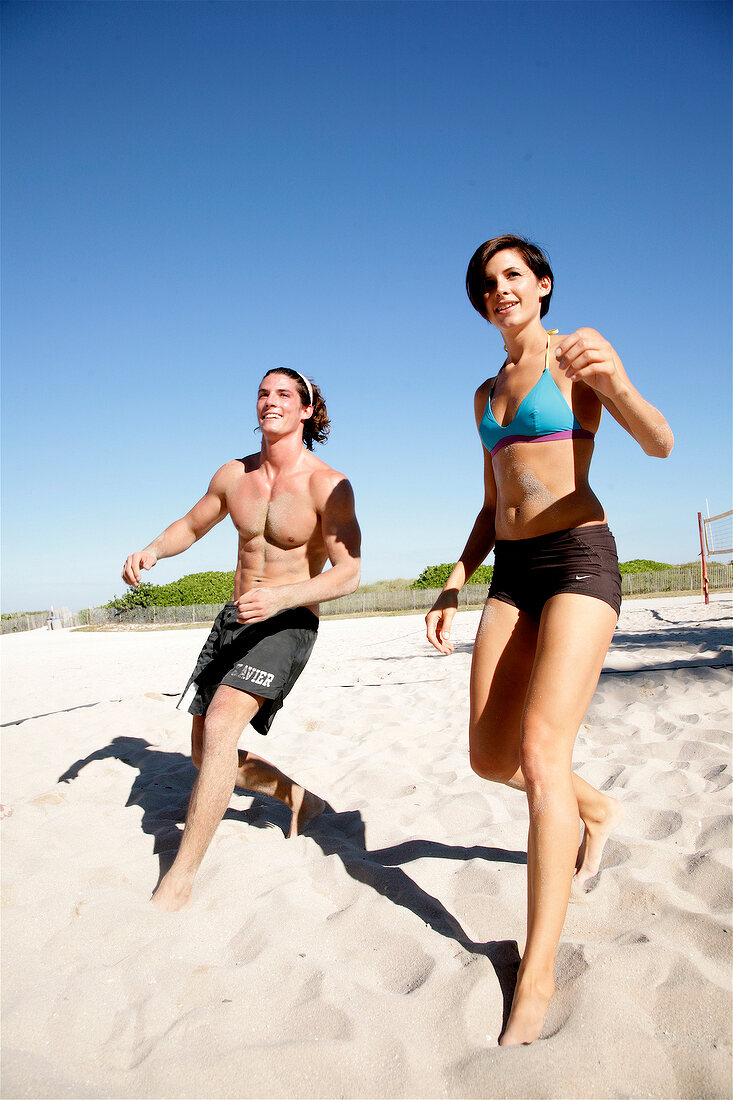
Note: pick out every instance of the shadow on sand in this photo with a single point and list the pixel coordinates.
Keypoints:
(162, 788)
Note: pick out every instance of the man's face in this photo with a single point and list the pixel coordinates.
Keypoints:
(280, 410)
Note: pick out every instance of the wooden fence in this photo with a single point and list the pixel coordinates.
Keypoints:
(685, 579)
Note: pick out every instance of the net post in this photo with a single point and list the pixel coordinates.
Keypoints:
(704, 568)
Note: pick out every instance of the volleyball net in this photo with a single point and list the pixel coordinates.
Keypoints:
(716, 537)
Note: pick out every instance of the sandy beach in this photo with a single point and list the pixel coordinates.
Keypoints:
(374, 956)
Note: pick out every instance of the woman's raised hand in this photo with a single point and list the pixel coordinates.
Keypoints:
(586, 356)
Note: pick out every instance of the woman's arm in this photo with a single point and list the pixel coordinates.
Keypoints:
(587, 357)
(440, 617)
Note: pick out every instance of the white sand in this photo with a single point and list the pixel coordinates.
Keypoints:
(366, 959)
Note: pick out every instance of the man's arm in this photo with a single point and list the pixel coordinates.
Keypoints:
(342, 537)
(205, 514)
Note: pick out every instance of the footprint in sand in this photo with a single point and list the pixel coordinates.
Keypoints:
(614, 779)
(570, 966)
(48, 799)
(716, 834)
(663, 824)
(706, 878)
(614, 855)
(717, 778)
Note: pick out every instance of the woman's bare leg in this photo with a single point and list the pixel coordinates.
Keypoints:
(600, 815)
(503, 659)
(574, 635)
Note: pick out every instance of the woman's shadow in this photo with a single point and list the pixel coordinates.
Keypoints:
(162, 789)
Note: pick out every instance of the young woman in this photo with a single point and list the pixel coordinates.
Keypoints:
(555, 593)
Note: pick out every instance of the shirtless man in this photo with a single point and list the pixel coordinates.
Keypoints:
(291, 512)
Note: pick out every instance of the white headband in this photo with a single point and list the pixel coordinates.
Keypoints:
(307, 385)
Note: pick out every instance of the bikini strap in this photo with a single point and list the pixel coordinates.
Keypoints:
(550, 332)
(501, 368)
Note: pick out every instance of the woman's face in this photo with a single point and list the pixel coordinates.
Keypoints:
(512, 292)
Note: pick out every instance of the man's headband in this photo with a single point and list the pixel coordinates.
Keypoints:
(307, 386)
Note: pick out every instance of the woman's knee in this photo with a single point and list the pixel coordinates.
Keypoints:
(496, 767)
(542, 753)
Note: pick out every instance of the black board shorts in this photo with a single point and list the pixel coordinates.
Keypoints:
(264, 659)
(527, 572)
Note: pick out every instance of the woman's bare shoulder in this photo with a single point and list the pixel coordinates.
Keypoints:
(482, 396)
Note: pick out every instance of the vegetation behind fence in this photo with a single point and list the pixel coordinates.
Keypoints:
(685, 579)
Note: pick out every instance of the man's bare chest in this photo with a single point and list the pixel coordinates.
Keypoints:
(283, 514)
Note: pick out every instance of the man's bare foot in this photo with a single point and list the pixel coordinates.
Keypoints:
(595, 835)
(306, 807)
(173, 893)
(527, 1015)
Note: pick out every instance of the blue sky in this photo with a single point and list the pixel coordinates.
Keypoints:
(196, 192)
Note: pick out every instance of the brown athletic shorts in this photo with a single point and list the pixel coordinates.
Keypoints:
(527, 572)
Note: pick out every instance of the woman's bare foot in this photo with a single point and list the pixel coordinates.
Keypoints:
(528, 1013)
(595, 835)
(173, 893)
(306, 806)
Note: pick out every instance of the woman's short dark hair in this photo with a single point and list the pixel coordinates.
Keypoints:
(533, 256)
(317, 426)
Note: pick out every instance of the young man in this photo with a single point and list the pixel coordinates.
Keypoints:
(292, 513)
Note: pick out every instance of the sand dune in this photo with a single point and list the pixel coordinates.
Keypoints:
(374, 956)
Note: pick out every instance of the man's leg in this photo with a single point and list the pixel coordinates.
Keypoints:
(229, 712)
(222, 767)
(256, 774)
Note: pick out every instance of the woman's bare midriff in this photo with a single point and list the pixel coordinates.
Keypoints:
(543, 487)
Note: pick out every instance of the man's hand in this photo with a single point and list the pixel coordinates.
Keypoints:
(439, 620)
(143, 559)
(586, 356)
(259, 604)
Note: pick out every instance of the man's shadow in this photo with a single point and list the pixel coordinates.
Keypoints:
(162, 789)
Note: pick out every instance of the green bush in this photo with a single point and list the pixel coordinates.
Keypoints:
(435, 576)
(643, 565)
(195, 588)
(142, 596)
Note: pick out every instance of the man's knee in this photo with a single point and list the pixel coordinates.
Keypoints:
(219, 734)
(226, 718)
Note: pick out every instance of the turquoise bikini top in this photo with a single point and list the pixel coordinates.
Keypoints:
(543, 414)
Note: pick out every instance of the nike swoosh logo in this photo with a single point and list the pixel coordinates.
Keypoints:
(584, 577)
